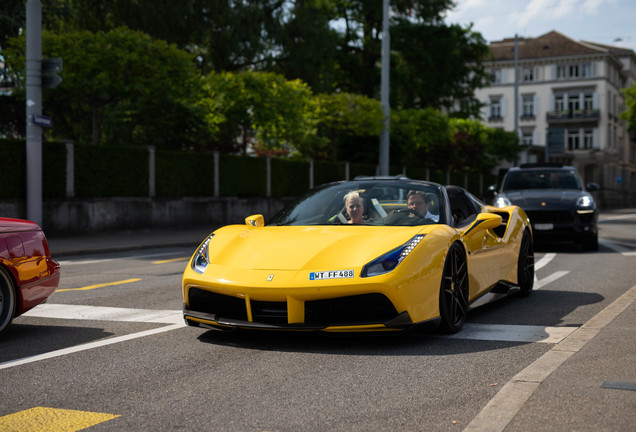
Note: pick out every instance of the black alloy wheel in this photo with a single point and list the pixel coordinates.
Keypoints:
(525, 265)
(453, 296)
(7, 299)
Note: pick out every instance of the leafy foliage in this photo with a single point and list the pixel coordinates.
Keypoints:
(630, 113)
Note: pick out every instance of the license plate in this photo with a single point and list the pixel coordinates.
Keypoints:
(544, 227)
(334, 274)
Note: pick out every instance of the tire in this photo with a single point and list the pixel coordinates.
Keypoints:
(7, 299)
(525, 265)
(453, 295)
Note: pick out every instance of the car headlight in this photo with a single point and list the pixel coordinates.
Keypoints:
(390, 260)
(502, 201)
(585, 204)
(201, 257)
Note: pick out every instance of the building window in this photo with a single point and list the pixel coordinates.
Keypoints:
(528, 74)
(574, 103)
(495, 109)
(588, 102)
(497, 76)
(561, 72)
(527, 109)
(586, 70)
(574, 71)
(559, 103)
(526, 138)
(573, 139)
(588, 139)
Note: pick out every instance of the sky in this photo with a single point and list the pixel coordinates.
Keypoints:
(610, 22)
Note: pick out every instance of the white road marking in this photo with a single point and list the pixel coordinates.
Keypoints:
(617, 217)
(538, 284)
(88, 346)
(502, 408)
(513, 333)
(544, 261)
(102, 313)
(616, 247)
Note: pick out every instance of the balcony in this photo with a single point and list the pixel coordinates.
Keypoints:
(572, 116)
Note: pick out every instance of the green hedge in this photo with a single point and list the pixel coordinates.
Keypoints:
(289, 178)
(183, 174)
(13, 171)
(107, 171)
(242, 176)
(123, 171)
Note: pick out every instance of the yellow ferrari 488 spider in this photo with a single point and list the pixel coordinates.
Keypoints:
(372, 254)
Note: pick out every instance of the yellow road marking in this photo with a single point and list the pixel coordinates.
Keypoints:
(90, 287)
(170, 260)
(40, 419)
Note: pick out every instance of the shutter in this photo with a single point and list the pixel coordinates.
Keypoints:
(535, 137)
(595, 101)
(595, 139)
(503, 107)
(535, 106)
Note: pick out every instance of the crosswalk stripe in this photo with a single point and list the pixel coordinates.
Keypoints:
(103, 313)
(513, 333)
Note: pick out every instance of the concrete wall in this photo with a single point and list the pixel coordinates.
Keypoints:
(94, 215)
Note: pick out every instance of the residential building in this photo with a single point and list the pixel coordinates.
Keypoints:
(568, 102)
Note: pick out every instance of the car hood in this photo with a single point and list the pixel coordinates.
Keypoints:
(304, 247)
(544, 199)
(8, 225)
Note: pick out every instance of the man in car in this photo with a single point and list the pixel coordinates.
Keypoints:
(419, 202)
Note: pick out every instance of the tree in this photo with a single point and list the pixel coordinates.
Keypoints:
(437, 66)
(416, 135)
(629, 114)
(263, 110)
(344, 116)
(123, 86)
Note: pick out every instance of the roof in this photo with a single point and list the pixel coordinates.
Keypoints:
(552, 44)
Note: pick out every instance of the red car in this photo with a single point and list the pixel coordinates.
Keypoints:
(28, 274)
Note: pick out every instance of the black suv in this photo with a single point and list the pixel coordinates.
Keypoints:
(555, 200)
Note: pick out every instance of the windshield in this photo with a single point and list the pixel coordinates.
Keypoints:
(387, 203)
(541, 179)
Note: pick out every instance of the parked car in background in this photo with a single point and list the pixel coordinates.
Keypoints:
(28, 274)
(553, 196)
(372, 254)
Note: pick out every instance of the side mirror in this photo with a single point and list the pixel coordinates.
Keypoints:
(593, 187)
(483, 221)
(255, 220)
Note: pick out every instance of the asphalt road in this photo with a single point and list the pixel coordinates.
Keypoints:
(109, 350)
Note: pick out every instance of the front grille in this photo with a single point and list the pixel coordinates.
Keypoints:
(365, 308)
(269, 312)
(359, 309)
(550, 216)
(221, 305)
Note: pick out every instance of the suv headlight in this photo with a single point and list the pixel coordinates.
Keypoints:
(390, 260)
(201, 257)
(502, 201)
(585, 204)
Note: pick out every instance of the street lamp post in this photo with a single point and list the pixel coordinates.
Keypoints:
(33, 110)
(384, 91)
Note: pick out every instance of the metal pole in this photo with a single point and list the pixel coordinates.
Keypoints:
(384, 91)
(516, 107)
(33, 108)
